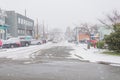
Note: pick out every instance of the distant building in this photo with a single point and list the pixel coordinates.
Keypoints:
(80, 33)
(68, 33)
(19, 25)
(3, 26)
(83, 36)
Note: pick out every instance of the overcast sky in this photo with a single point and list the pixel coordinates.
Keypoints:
(62, 13)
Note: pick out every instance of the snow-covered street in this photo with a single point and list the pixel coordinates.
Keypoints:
(24, 53)
(80, 52)
(55, 61)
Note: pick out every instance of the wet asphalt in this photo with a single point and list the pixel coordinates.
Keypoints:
(55, 64)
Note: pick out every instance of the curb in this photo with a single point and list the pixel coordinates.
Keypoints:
(98, 62)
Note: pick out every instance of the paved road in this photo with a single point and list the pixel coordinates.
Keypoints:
(54, 64)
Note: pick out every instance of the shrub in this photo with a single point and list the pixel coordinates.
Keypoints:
(100, 44)
(91, 44)
(113, 40)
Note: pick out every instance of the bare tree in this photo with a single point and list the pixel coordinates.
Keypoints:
(89, 29)
(111, 19)
(86, 27)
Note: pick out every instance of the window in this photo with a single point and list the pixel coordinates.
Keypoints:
(19, 20)
(18, 31)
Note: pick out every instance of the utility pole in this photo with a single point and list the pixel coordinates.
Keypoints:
(25, 24)
(43, 30)
(37, 29)
(77, 34)
(47, 32)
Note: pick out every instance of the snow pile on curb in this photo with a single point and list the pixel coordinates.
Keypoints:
(93, 54)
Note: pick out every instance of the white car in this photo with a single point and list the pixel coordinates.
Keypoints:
(12, 42)
(36, 42)
(55, 41)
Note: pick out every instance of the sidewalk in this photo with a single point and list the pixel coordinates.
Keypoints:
(93, 55)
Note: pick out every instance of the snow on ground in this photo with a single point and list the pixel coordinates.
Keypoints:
(93, 54)
(22, 52)
(80, 52)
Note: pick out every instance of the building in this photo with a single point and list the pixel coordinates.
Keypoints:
(104, 31)
(85, 33)
(19, 25)
(80, 34)
(83, 36)
(3, 26)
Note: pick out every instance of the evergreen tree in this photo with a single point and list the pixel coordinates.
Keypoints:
(113, 40)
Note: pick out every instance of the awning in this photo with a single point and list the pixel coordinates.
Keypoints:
(3, 27)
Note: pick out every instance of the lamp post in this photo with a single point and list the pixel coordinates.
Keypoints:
(37, 30)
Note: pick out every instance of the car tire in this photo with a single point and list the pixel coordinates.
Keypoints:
(12, 46)
(26, 44)
(38, 43)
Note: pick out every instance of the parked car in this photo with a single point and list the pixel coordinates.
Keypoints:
(44, 41)
(17, 42)
(55, 41)
(36, 42)
(25, 40)
(69, 40)
(11, 43)
(1, 43)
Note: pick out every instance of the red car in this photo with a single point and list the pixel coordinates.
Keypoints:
(1, 43)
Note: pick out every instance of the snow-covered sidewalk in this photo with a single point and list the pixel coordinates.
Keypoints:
(22, 53)
(93, 54)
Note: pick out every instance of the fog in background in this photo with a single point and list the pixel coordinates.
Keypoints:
(62, 13)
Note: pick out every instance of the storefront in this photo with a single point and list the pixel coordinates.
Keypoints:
(3, 32)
